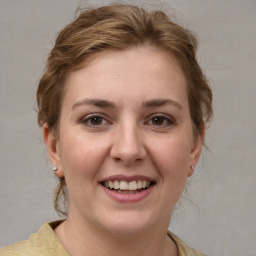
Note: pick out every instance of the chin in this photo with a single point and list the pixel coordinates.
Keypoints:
(130, 223)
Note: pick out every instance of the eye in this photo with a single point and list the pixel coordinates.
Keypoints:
(161, 121)
(94, 120)
(158, 120)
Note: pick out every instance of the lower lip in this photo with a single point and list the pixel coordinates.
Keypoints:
(129, 198)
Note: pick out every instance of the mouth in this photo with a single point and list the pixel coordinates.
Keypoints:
(128, 187)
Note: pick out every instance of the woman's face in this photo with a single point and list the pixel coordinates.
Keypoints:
(125, 142)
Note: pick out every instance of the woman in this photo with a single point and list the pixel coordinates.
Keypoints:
(123, 105)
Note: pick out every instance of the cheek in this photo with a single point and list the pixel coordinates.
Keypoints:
(82, 160)
(172, 157)
(172, 160)
(82, 156)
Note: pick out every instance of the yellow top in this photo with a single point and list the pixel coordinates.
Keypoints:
(46, 243)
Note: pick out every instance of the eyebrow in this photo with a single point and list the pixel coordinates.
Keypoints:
(95, 102)
(108, 104)
(161, 102)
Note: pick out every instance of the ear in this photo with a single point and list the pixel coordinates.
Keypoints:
(196, 150)
(52, 144)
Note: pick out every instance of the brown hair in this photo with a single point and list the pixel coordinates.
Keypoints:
(118, 27)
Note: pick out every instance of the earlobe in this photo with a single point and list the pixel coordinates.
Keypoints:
(196, 150)
(191, 170)
(52, 145)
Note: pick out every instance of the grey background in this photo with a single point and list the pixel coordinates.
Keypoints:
(221, 218)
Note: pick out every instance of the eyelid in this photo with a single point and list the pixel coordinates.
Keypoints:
(86, 118)
(171, 121)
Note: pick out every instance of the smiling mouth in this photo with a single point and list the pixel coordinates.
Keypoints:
(125, 187)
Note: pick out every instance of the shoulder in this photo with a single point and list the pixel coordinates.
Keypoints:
(44, 242)
(18, 249)
(183, 249)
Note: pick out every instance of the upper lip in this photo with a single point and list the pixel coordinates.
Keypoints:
(127, 178)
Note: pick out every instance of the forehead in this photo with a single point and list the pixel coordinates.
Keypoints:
(144, 58)
(136, 72)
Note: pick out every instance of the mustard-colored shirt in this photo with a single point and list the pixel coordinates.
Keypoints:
(46, 243)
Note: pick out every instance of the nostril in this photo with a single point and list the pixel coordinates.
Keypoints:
(128, 144)
(128, 156)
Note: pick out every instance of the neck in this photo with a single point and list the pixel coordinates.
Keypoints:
(83, 240)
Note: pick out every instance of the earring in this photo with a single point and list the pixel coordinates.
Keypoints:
(54, 168)
(192, 166)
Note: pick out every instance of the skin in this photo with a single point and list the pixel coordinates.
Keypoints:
(144, 129)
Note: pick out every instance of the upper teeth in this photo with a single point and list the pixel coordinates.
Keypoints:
(124, 185)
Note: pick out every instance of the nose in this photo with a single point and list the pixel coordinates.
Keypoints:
(128, 146)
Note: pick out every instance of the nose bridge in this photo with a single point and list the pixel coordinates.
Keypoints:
(128, 143)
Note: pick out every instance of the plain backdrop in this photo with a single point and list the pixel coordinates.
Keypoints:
(220, 216)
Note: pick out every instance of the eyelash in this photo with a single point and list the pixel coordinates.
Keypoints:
(165, 121)
(89, 118)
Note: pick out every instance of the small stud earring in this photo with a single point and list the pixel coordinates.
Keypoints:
(54, 168)
(192, 166)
